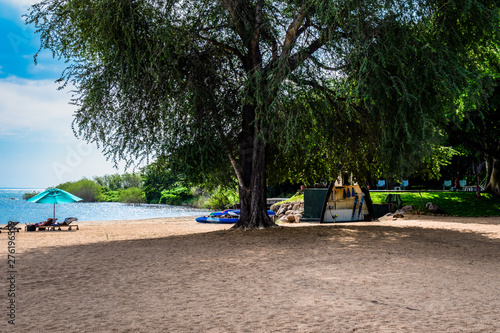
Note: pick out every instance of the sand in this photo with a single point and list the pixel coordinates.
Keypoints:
(417, 274)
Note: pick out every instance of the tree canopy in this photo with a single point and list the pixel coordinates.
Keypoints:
(234, 84)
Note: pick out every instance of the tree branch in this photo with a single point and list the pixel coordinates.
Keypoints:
(258, 19)
(298, 58)
(293, 31)
(319, 64)
(237, 11)
(225, 47)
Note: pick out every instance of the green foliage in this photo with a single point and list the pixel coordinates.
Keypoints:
(452, 203)
(157, 177)
(432, 165)
(296, 198)
(477, 130)
(108, 196)
(322, 140)
(131, 180)
(92, 191)
(417, 70)
(176, 195)
(221, 198)
(132, 195)
(86, 189)
(116, 181)
(28, 195)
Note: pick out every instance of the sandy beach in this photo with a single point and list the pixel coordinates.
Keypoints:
(417, 274)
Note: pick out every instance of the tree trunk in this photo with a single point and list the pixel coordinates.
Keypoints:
(493, 183)
(253, 204)
(252, 187)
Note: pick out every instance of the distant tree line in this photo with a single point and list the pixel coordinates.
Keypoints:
(155, 184)
(125, 188)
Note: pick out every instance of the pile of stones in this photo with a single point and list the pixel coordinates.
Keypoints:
(290, 212)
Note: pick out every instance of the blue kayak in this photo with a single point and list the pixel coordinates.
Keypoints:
(209, 219)
(226, 216)
(236, 212)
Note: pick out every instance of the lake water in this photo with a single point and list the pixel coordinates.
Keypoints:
(14, 208)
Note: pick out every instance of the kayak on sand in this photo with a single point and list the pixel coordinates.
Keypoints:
(209, 219)
(226, 216)
(236, 212)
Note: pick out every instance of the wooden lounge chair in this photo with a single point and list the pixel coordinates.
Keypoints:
(40, 225)
(67, 223)
(10, 226)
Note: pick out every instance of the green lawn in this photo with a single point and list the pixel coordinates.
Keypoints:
(453, 203)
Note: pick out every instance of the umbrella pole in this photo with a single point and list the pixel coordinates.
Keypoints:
(54, 211)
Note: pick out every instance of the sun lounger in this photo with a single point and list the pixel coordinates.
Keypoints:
(40, 225)
(10, 226)
(67, 223)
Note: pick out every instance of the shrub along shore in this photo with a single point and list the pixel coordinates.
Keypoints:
(128, 188)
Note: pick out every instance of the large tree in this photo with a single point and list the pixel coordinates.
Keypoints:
(203, 83)
(478, 130)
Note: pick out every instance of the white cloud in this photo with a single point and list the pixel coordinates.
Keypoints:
(21, 5)
(46, 65)
(34, 107)
(15, 9)
(37, 140)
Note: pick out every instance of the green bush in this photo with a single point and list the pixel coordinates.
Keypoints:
(28, 195)
(175, 196)
(132, 195)
(108, 196)
(221, 198)
(86, 189)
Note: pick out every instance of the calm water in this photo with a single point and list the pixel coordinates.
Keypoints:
(14, 208)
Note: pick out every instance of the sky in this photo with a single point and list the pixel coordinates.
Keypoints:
(37, 146)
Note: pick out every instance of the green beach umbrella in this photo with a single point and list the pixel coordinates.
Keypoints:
(54, 196)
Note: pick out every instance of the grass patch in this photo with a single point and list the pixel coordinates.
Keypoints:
(296, 197)
(465, 204)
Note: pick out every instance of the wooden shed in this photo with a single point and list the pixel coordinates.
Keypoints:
(335, 204)
(345, 203)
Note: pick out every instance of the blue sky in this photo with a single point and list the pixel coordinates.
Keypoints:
(37, 145)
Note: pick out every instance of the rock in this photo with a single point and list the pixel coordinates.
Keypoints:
(288, 212)
(401, 212)
(297, 218)
(282, 210)
(296, 206)
(433, 208)
(283, 219)
(291, 218)
(275, 208)
(406, 209)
